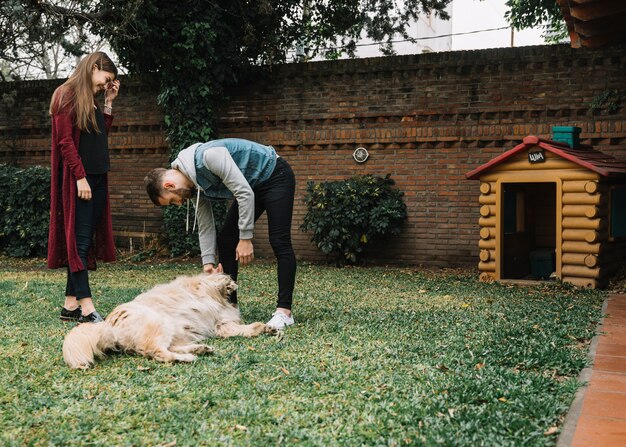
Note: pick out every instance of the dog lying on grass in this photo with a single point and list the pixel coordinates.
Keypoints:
(165, 323)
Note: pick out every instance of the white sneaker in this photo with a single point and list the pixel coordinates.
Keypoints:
(280, 321)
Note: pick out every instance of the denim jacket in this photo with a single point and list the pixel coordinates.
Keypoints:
(223, 169)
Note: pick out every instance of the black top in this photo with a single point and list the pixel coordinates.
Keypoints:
(93, 148)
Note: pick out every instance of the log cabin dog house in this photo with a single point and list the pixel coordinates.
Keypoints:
(552, 208)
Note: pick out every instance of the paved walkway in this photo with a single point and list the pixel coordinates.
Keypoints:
(597, 417)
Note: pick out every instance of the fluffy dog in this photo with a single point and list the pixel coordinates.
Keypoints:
(165, 323)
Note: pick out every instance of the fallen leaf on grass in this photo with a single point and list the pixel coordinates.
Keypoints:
(502, 399)
(143, 368)
(241, 427)
(551, 431)
(285, 370)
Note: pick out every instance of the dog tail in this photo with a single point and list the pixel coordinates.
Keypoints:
(85, 342)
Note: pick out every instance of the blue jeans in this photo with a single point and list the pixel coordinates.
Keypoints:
(275, 197)
(88, 215)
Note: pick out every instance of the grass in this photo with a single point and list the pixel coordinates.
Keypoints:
(378, 356)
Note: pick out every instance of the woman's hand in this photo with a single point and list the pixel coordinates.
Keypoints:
(245, 251)
(113, 88)
(84, 190)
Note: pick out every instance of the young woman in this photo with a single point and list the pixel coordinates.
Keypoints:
(79, 197)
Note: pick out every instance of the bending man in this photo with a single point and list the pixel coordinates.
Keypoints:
(259, 180)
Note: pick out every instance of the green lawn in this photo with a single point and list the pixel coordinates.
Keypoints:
(378, 356)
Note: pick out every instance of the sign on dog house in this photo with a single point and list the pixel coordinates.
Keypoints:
(552, 209)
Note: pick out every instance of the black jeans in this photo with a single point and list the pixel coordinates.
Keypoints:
(88, 215)
(274, 196)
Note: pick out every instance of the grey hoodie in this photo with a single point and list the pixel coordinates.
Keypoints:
(219, 162)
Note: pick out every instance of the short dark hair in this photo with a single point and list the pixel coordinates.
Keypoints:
(154, 184)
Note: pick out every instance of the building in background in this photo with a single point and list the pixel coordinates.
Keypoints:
(473, 24)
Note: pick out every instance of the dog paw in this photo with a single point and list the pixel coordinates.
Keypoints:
(185, 358)
(269, 330)
(205, 349)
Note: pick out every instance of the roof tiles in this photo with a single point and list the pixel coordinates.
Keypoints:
(583, 155)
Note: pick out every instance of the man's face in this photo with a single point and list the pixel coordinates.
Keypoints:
(174, 196)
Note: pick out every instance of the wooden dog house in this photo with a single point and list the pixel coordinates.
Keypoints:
(552, 209)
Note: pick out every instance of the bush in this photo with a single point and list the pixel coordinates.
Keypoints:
(346, 215)
(24, 210)
(180, 241)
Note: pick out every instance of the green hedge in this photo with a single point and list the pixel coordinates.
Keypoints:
(180, 241)
(346, 215)
(24, 210)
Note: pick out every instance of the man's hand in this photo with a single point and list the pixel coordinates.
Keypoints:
(245, 251)
(210, 268)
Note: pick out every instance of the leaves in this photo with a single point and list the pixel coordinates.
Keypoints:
(345, 216)
(24, 210)
(531, 13)
(551, 431)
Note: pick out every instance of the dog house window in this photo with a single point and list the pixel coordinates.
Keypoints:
(618, 212)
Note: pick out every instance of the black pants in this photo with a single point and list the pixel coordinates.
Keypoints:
(274, 196)
(88, 215)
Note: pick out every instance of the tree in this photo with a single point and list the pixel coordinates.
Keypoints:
(42, 38)
(531, 13)
(524, 14)
(45, 33)
(264, 29)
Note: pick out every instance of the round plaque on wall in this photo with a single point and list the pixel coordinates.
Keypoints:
(360, 154)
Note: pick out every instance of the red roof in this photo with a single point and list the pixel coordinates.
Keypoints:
(584, 156)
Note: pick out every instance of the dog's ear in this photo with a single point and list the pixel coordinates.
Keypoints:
(227, 285)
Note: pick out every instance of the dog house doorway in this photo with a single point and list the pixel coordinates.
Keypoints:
(529, 230)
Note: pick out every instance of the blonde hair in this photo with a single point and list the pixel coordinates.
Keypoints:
(77, 92)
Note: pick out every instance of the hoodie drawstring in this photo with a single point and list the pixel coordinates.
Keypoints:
(195, 214)
(187, 224)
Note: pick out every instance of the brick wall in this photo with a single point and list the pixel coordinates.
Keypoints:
(425, 119)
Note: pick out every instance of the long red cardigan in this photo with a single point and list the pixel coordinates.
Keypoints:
(62, 249)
